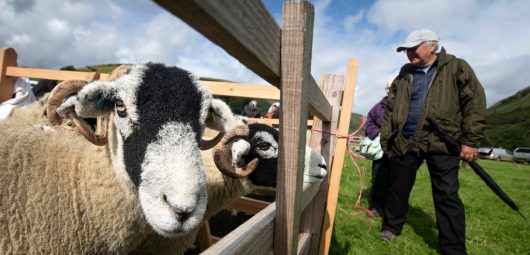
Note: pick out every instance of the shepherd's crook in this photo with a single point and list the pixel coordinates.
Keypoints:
(454, 147)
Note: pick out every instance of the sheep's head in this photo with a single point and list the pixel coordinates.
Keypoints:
(157, 115)
(253, 152)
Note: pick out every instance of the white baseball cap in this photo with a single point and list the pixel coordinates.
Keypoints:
(416, 37)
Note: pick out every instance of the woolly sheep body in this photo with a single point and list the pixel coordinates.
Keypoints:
(67, 199)
(74, 204)
(60, 195)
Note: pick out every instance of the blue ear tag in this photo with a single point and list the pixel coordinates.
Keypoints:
(101, 102)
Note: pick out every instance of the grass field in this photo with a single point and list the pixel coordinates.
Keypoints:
(491, 226)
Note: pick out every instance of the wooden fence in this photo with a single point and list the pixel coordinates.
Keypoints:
(301, 219)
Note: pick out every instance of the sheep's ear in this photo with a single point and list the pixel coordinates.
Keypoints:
(92, 100)
(221, 118)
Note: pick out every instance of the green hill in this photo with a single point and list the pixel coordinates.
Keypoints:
(355, 120)
(508, 122)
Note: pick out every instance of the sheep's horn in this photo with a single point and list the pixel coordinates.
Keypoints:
(222, 156)
(118, 71)
(99, 137)
(96, 138)
(70, 87)
(208, 144)
(57, 95)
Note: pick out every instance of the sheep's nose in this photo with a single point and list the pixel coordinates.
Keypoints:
(182, 212)
(322, 165)
(183, 216)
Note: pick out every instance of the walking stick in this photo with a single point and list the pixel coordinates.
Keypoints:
(454, 147)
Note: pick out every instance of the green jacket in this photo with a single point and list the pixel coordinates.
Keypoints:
(455, 100)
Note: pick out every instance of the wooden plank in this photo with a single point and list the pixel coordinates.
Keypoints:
(8, 57)
(312, 218)
(303, 243)
(204, 237)
(297, 37)
(272, 122)
(248, 205)
(232, 89)
(59, 75)
(216, 239)
(244, 29)
(255, 236)
(318, 104)
(338, 160)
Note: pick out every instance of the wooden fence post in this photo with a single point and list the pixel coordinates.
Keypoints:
(312, 219)
(338, 160)
(297, 37)
(8, 57)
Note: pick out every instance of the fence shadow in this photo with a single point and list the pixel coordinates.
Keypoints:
(423, 225)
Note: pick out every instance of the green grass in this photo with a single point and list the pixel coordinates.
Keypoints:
(491, 226)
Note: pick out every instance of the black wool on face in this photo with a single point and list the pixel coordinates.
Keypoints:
(167, 94)
(266, 172)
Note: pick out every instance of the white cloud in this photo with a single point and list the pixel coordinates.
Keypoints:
(351, 21)
(491, 35)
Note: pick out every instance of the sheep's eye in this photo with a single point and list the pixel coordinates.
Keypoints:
(264, 146)
(120, 108)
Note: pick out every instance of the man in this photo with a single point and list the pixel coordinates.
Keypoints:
(446, 89)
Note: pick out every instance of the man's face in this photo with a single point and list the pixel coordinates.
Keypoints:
(422, 54)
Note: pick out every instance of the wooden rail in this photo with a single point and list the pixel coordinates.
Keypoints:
(247, 31)
(51, 74)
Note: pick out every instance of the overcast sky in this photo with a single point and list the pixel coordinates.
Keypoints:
(492, 35)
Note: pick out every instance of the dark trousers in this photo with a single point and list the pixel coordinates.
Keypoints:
(450, 217)
(380, 184)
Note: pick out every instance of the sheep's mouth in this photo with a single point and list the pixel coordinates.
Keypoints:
(167, 221)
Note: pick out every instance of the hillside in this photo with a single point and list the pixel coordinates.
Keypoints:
(508, 122)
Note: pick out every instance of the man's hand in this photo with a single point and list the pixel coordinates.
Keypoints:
(468, 153)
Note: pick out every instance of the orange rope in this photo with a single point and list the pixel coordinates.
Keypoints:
(352, 156)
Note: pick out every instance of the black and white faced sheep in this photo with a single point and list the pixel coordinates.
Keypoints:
(59, 193)
(254, 153)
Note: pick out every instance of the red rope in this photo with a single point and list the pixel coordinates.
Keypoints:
(353, 155)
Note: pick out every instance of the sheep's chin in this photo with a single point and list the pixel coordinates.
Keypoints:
(163, 218)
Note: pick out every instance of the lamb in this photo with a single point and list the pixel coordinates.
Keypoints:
(60, 194)
(244, 160)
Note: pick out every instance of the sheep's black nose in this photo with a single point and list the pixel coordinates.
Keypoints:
(323, 166)
(183, 216)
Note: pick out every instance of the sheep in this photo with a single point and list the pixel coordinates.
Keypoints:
(244, 160)
(60, 194)
(110, 221)
(99, 211)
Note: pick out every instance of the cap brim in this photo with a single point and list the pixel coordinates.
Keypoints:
(407, 45)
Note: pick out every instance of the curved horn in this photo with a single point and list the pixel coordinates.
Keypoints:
(222, 156)
(208, 144)
(96, 138)
(117, 72)
(70, 87)
(57, 95)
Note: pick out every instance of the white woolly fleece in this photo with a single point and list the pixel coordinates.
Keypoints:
(173, 190)
(127, 88)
